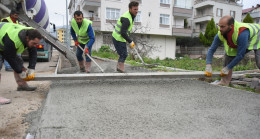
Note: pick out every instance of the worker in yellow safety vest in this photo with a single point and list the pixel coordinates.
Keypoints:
(121, 34)
(14, 39)
(238, 39)
(12, 18)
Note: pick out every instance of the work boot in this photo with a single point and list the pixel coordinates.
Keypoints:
(81, 66)
(88, 67)
(120, 67)
(26, 88)
(4, 101)
(225, 81)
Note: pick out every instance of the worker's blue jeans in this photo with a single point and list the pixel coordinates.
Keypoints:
(79, 53)
(121, 50)
(7, 65)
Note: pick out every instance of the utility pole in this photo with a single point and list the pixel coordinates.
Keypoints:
(67, 27)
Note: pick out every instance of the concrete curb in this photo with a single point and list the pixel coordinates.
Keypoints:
(94, 76)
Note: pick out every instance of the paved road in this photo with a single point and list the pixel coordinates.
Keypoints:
(154, 108)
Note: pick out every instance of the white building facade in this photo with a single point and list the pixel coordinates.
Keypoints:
(204, 10)
(159, 21)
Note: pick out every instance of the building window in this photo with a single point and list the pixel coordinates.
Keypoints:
(165, 1)
(138, 17)
(112, 14)
(233, 14)
(219, 12)
(164, 19)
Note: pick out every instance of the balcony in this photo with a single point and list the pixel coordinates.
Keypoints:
(181, 31)
(203, 17)
(96, 23)
(199, 3)
(95, 3)
(182, 12)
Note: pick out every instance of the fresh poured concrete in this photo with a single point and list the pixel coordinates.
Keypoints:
(148, 108)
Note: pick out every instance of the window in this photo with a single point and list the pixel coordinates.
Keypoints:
(233, 13)
(138, 17)
(164, 19)
(165, 1)
(219, 12)
(112, 14)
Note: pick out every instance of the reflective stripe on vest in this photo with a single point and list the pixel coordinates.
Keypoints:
(81, 32)
(117, 31)
(253, 42)
(13, 32)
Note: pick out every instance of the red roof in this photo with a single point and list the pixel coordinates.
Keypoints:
(247, 10)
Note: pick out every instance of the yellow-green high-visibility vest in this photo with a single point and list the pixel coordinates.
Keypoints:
(12, 30)
(253, 43)
(117, 31)
(10, 20)
(83, 37)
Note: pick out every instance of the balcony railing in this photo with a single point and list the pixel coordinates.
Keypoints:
(203, 15)
(233, 2)
(182, 12)
(181, 31)
(92, 0)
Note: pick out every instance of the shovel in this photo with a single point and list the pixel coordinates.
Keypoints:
(144, 64)
(91, 59)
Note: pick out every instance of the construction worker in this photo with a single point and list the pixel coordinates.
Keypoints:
(14, 39)
(12, 18)
(121, 34)
(238, 39)
(85, 38)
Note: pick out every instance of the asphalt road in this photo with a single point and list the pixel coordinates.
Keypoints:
(154, 108)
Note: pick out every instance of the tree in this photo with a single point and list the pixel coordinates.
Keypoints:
(248, 19)
(210, 33)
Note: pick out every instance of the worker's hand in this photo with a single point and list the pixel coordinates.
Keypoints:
(86, 50)
(208, 70)
(132, 44)
(76, 43)
(224, 72)
(30, 74)
(23, 75)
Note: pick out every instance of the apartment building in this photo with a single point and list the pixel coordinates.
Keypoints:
(204, 10)
(61, 33)
(158, 21)
(254, 13)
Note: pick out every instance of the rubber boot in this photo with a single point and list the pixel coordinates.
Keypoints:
(22, 85)
(120, 67)
(81, 66)
(88, 67)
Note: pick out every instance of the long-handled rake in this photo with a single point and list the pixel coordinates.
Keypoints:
(144, 64)
(91, 59)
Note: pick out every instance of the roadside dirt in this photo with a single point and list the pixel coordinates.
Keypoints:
(12, 116)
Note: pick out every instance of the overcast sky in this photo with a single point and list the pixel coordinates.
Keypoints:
(59, 6)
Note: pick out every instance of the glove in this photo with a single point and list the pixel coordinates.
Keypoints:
(132, 44)
(22, 75)
(208, 70)
(30, 74)
(76, 43)
(224, 72)
(86, 51)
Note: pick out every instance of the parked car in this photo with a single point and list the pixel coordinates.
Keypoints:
(44, 51)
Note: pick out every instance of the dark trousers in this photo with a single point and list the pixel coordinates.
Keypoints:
(121, 50)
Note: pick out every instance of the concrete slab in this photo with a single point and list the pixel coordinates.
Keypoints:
(94, 76)
(148, 108)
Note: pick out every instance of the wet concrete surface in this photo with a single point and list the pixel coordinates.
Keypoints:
(148, 108)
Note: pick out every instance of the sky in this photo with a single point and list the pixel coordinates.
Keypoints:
(59, 6)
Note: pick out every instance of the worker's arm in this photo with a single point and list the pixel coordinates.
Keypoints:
(32, 57)
(10, 55)
(242, 46)
(73, 34)
(215, 44)
(91, 36)
(124, 29)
